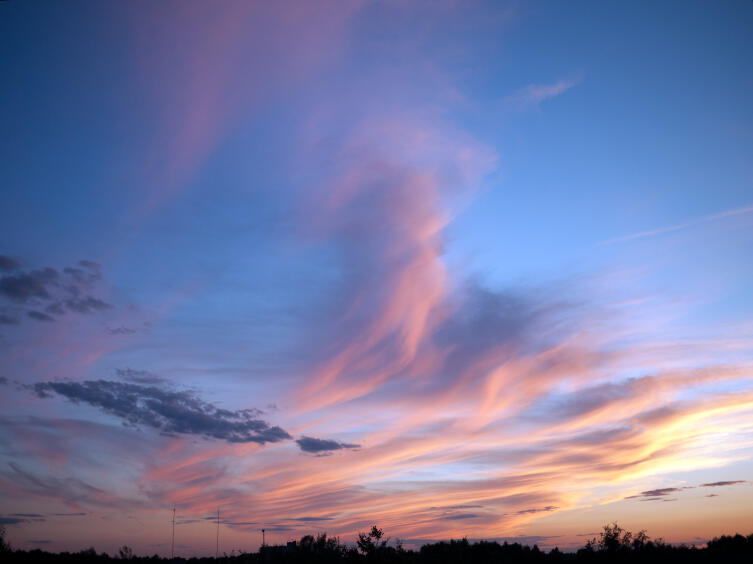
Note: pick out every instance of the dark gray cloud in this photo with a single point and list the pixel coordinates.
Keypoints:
(17, 518)
(81, 514)
(24, 286)
(48, 292)
(38, 542)
(3, 381)
(83, 276)
(122, 330)
(170, 411)
(655, 494)
(39, 316)
(56, 308)
(91, 265)
(11, 521)
(460, 516)
(6, 319)
(312, 519)
(546, 509)
(659, 494)
(87, 304)
(8, 264)
(316, 446)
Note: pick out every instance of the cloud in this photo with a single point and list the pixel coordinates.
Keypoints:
(91, 265)
(39, 316)
(721, 484)
(11, 521)
(39, 542)
(48, 292)
(535, 94)
(121, 330)
(8, 264)
(313, 445)
(661, 493)
(18, 518)
(6, 319)
(312, 519)
(179, 412)
(24, 286)
(655, 494)
(139, 376)
(546, 509)
(87, 304)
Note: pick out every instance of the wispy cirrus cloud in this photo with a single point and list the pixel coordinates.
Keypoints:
(534, 94)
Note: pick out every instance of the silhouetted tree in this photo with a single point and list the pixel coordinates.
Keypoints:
(4, 545)
(371, 542)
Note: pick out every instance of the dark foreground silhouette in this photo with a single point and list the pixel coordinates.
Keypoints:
(614, 544)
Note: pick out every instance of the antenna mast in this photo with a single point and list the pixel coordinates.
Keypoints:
(262, 538)
(217, 551)
(172, 546)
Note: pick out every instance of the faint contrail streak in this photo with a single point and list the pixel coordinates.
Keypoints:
(676, 227)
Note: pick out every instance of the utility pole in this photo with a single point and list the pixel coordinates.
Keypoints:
(217, 551)
(262, 538)
(172, 546)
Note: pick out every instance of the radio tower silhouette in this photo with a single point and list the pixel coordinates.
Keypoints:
(172, 545)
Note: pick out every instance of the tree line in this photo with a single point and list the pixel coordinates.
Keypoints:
(614, 544)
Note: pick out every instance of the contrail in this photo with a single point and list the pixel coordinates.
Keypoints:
(676, 227)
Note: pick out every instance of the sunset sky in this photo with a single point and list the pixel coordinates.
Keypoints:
(453, 268)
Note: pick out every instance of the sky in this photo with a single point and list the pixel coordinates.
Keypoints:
(452, 268)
